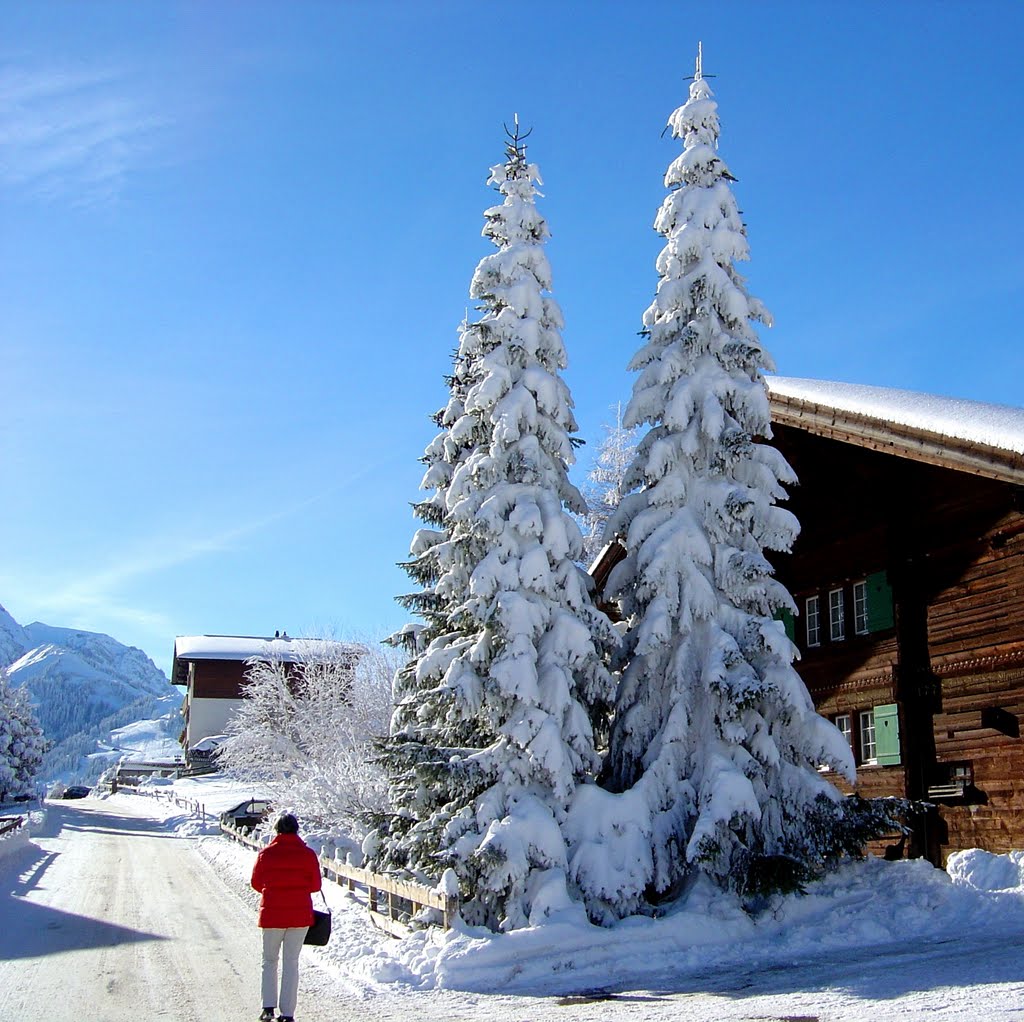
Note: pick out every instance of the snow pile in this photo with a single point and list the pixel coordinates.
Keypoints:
(867, 904)
(13, 840)
(984, 871)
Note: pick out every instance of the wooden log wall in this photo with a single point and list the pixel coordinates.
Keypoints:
(968, 569)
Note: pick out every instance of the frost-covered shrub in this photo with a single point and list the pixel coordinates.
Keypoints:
(305, 733)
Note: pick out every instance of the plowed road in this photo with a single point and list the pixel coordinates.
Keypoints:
(106, 917)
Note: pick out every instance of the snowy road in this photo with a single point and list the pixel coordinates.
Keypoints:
(108, 917)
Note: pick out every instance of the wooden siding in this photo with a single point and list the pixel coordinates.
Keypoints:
(980, 725)
(978, 615)
(952, 546)
(217, 679)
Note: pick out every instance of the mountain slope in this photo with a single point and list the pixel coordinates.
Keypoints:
(104, 655)
(14, 640)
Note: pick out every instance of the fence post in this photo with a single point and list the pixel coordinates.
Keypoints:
(451, 907)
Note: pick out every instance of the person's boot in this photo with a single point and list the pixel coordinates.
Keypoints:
(267, 1015)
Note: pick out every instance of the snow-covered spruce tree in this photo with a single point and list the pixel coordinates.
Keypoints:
(604, 485)
(494, 724)
(715, 747)
(22, 744)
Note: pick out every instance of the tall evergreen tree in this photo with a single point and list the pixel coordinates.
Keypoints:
(495, 718)
(715, 746)
(22, 744)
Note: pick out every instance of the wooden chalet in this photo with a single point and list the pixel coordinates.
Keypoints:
(909, 578)
(212, 669)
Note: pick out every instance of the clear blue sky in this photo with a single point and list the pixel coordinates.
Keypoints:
(236, 241)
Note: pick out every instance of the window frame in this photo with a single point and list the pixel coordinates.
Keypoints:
(866, 737)
(860, 608)
(847, 731)
(837, 615)
(812, 619)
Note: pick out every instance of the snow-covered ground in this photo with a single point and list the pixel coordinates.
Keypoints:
(878, 940)
(144, 740)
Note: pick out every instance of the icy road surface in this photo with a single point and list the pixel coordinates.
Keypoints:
(106, 916)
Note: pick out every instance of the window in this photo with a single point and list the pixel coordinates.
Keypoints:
(813, 621)
(844, 722)
(868, 750)
(836, 615)
(860, 608)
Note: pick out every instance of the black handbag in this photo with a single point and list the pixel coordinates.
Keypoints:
(320, 932)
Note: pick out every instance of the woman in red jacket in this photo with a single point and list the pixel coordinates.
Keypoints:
(286, 873)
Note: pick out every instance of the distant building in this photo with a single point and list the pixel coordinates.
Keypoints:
(212, 668)
(908, 575)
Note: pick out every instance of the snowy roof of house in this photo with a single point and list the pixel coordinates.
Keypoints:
(969, 436)
(246, 647)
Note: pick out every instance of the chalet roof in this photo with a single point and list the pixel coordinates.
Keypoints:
(969, 436)
(246, 647)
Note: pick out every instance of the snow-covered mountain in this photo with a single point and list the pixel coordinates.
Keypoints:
(84, 686)
(14, 639)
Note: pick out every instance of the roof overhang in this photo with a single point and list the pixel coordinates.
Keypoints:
(879, 433)
(242, 648)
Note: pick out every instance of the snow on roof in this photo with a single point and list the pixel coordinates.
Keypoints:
(245, 647)
(999, 426)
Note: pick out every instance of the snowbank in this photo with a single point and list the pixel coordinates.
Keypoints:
(984, 871)
(13, 840)
(866, 904)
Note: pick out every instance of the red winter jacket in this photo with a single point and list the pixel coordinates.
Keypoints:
(286, 873)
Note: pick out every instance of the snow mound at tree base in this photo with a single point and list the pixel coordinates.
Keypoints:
(862, 905)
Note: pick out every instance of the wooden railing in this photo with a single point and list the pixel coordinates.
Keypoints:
(9, 823)
(392, 902)
(194, 807)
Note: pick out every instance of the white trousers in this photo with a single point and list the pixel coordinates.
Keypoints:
(273, 941)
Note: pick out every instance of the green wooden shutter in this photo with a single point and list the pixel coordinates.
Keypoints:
(887, 735)
(879, 597)
(788, 622)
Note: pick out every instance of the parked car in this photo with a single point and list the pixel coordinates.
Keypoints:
(246, 815)
(76, 791)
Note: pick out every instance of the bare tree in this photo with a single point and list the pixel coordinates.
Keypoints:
(305, 731)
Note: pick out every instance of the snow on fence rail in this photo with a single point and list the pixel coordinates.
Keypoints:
(392, 902)
(10, 823)
(194, 808)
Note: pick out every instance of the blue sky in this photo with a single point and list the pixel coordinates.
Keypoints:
(237, 240)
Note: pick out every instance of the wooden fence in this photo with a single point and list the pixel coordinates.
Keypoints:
(9, 823)
(392, 902)
(194, 808)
